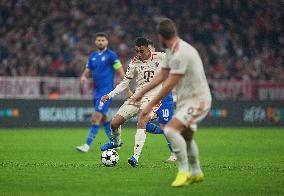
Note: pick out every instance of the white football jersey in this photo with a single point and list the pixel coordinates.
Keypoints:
(145, 71)
(184, 59)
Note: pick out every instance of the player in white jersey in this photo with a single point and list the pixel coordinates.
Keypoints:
(184, 70)
(144, 67)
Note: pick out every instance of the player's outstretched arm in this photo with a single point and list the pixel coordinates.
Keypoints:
(121, 74)
(118, 89)
(158, 79)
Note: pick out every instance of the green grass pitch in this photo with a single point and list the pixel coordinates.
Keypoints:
(236, 161)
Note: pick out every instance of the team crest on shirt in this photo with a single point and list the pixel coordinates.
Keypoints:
(103, 58)
(157, 64)
(93, 59)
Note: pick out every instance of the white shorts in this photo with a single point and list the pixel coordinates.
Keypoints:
(192, 111)
(128, 110)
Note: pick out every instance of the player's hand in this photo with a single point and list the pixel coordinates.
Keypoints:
(104, 98)
(134, 101)
(83, 79)
(136, 97)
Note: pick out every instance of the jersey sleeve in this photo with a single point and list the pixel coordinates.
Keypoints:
(179, 64)
(116, 64)
(89, 64)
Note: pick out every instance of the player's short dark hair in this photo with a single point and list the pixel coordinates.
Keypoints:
(167, 28)
(141, 41)
(150, 42)
(101, 34)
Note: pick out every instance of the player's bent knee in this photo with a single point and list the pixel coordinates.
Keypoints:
(168, 130)
(141, 124)
(115, 123)
(96, 118)
(95, 121)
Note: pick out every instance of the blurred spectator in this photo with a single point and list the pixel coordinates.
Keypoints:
(237, 39)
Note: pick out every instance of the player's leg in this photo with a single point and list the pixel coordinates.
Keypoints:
(172, 158)
(153, 128)
(140, 135)
(140, 138)
(106, 123)
(105, 120)
(193, 156)
(93, 131)
(96, 119)
(115, 141)
(196, 112)
(165, 114)
(173, 132)
(116, 123)
(189, 113)
(192, 150)
(124, 113)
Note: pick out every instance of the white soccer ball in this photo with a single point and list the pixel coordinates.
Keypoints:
(110, 158)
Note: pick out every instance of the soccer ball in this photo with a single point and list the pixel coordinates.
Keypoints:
(110, 157)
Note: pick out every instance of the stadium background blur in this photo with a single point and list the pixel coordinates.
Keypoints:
(236, 39)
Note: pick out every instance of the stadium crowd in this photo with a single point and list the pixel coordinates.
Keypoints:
(236, 39)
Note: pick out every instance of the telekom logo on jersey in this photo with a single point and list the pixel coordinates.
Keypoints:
(148, 75)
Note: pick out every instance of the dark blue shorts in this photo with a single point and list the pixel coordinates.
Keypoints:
(165, 112)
